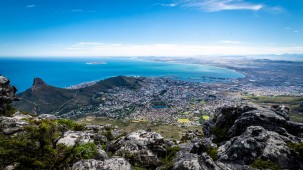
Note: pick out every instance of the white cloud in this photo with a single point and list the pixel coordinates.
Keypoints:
(30, 6)
(168, 5)
(77, 10)
(220, 5)
(229, 42)
(103, 49)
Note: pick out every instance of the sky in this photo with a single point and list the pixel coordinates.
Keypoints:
(150, 27)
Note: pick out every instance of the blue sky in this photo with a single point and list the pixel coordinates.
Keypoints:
(150, 27)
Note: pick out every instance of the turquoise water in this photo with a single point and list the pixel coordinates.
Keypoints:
(66, 72)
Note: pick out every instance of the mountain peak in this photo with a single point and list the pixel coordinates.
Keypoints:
(38, 83)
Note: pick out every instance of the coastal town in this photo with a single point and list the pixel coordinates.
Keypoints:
(165, 100)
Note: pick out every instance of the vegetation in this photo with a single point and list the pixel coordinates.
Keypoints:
(298, 147)
(213, 153)
(261, 164)
(171, 152)
(167, 131)
(38, 148)
(221, 134)
(71, 124)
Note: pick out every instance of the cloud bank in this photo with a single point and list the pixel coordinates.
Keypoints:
(227, 48)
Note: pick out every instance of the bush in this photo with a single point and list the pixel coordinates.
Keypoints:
(84, 151)
(213, 153)
(298, 147)
(171, 152)
(261, 164)
(221, 134)
(37, 148)
(71, 124)
(108, 135)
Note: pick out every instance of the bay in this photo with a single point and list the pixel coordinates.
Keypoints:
(64, 72)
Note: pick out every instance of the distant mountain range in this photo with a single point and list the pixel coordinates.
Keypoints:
(42, 98)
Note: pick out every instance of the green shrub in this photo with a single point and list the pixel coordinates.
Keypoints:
(84, 151)
(37, 148)
(71, 124)
(171, 152)
(261, 164)
(108, 135)
(221, 134)
(167, 161)
(213, 153)
(298, 147)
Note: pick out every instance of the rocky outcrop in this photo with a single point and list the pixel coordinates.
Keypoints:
(37, 84)
(258, 143)
(245, 134)
(186, 161)
(233, 121)
(14, 124)
(114, 163)
(47, 116)
(7, 94)
(281, 111)
(140, 148)
(225, 118)
(190, 161)
(70, 138)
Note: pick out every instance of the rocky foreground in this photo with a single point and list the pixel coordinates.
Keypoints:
(239, 137)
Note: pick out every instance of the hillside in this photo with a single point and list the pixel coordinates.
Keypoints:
(238, 137)
(43, 98)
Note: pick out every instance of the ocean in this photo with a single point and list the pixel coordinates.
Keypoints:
(66, 72)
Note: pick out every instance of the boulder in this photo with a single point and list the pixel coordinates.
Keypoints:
(202, 146)
(7, 94)
(258, 143)
(12, 125)
(186, 161)
(48, 116)
(224, 118)
(101, 154)
(71, 137)
(115, 163)
(141, 148)
(265, 118)
(281, 111)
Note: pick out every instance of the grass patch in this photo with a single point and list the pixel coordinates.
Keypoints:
(261, 164)
(167, 131)
(205, 117)
(183, 120)
(275, 99)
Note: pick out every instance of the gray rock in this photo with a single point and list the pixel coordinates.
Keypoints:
(72, 137)
(258, 143)
(206, 162)
(186, 161)
(12, 125)
(281, 111)
(101, 155)
(225, 118)
(115, 163)
(140, 148)
(48, 116)
(265, 118)
(7, 94)
(202, 145)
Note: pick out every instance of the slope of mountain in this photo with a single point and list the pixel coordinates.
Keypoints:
(43, 98)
